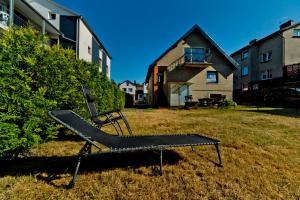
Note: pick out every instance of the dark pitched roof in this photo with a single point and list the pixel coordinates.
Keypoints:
(127, 82)
(265, 38)
(196, 27)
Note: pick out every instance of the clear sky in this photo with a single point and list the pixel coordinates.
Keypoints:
(136, 32)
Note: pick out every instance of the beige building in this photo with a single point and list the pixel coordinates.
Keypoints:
(273, 61)
(194, 65)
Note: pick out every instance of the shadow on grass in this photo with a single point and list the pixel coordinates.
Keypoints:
(287, 112)
(92, 163)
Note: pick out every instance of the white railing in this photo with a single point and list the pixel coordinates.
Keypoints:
(4, 18)
(188, 60)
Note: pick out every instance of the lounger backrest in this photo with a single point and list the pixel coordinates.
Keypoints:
(84, 129)
(90, 99)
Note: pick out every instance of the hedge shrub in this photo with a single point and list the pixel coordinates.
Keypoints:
(36, 78)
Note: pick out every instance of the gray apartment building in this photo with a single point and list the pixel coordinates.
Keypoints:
(62, 25)
(268, 63)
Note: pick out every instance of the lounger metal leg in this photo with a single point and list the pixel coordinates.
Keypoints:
(192, 148)
(161, 159)
(85, 150)
(126, 123)
(120, 128)
(113, 123)
(72, 182)
(219, 155)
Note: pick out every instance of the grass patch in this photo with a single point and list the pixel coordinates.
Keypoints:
(260, 149)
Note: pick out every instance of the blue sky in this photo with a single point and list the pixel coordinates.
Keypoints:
(136, 32)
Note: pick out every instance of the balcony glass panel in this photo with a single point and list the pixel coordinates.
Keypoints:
(194, 55)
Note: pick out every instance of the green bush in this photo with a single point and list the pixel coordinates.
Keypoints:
(36, 78)
(229, 103)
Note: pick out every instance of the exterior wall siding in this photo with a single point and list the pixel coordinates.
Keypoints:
(273, 44)
(291, 47)
(85, 42)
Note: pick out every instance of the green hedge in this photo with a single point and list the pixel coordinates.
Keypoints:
(36, 78)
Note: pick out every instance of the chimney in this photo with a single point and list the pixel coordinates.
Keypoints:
(286, 24)
(253, 41)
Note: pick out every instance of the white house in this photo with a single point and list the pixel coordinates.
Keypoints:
(76, 33)
(128, 87)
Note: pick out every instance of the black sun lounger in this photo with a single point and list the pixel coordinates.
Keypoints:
(92, 135)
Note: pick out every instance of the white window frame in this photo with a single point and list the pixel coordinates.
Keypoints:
(245, 88)
(296, 33)
(267, 74)
(50, 15)
(266, 57)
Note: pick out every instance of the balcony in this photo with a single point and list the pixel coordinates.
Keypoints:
(191, 61)
(291, 72)
(18, 21)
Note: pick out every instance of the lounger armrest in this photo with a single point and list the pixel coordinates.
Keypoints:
(109, 112)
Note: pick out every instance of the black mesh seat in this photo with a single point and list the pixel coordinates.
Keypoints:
(111, 117)
(92, 135)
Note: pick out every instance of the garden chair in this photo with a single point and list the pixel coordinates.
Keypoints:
(96, 137)
(111, 117)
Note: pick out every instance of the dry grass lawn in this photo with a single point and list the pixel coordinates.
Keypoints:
(260, 151)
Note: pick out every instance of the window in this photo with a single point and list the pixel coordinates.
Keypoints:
(255, 86)
(51, 15)
(296, 33)
(130, 89)
(267, 74)
(194, 55)
(264, 75)
(124, 89)
(245, 55)
(244, 87)
(89, 50)
(212, 77)
(265, 57)
(245, 71)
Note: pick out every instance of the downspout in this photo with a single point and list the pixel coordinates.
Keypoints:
(11, 12)
(44, 27)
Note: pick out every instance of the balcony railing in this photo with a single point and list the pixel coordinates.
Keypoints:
(18, 21)
(191, 60)
(4, 17)
(292, 72)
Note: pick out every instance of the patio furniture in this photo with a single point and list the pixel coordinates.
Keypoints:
(111, 117)
(96, 137)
